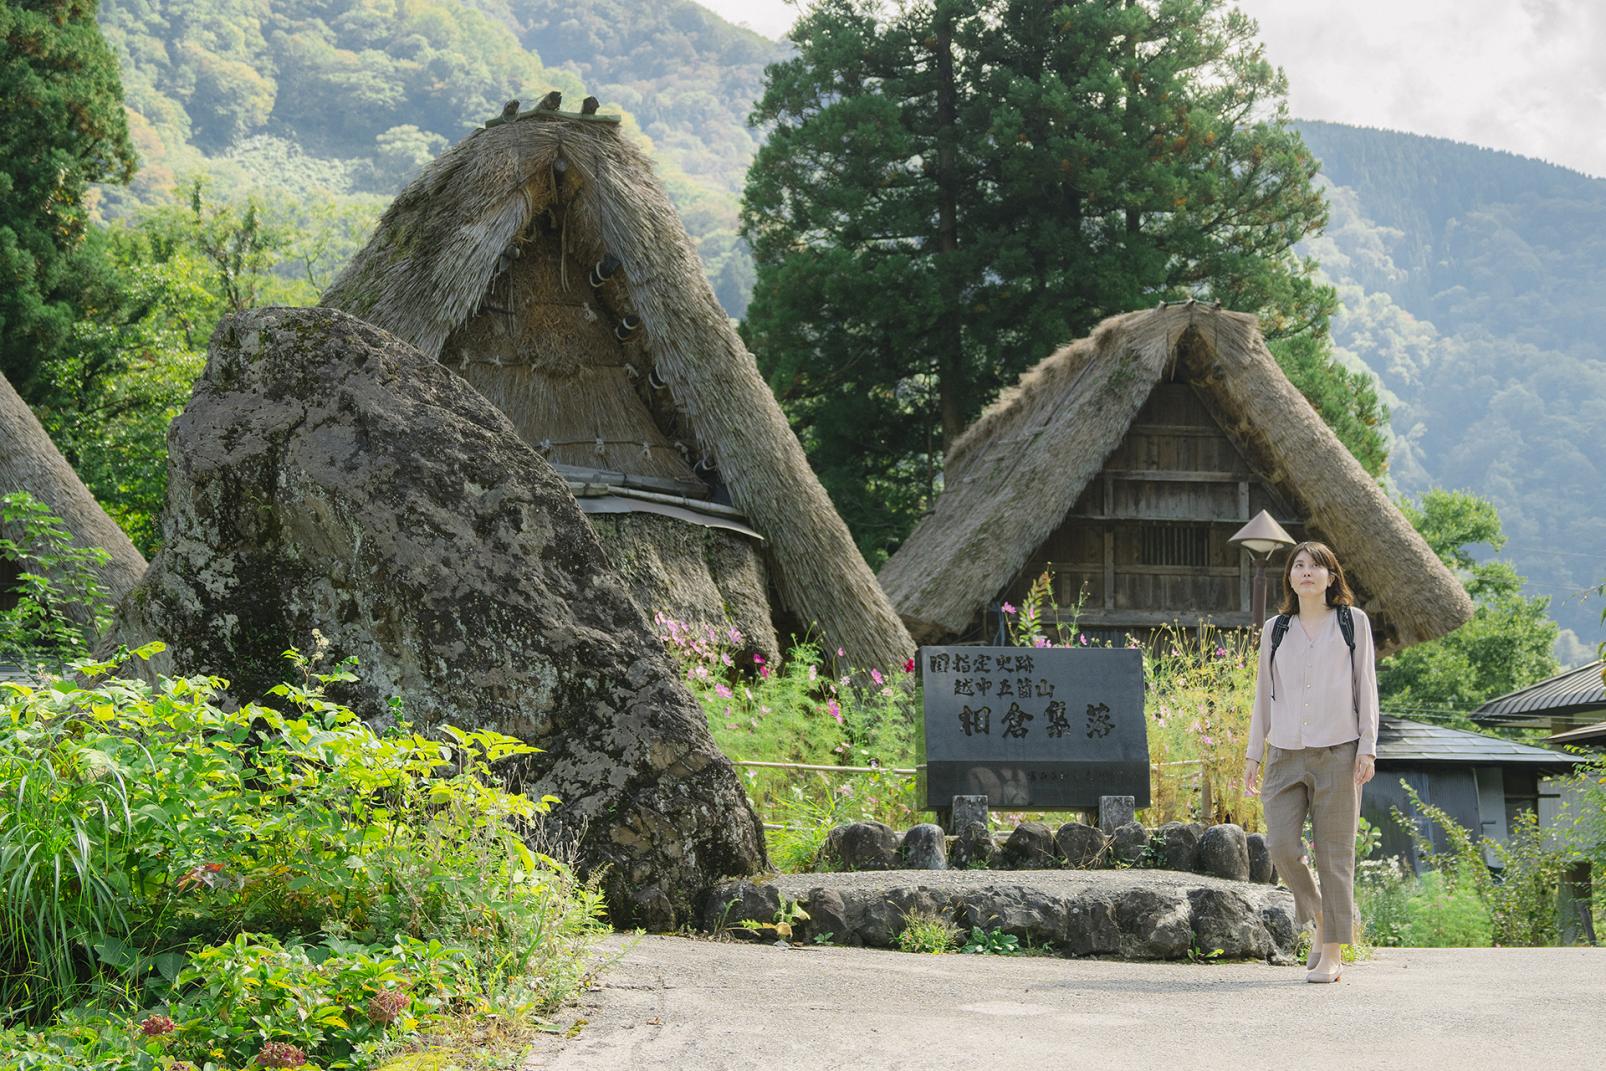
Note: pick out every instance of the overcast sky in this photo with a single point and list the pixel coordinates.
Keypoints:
(1521, 75)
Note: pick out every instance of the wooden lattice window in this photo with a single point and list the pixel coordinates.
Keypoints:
(1175, 544)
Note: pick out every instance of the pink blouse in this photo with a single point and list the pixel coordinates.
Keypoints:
(1319, 701)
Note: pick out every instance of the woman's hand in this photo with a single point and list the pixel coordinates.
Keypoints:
(1365, 767)
(1251, 777)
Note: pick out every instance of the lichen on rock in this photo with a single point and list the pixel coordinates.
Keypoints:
(328, 476)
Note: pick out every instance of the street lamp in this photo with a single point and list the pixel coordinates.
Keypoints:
(1260, 537)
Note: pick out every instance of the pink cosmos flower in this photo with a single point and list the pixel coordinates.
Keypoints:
(875, 675)
(1082, 639)
(758, 659)
(908, 665)
(1008, 608)
(836, 711)
(722, 691)
(1041, 641)
(840, 653)
(814, 672)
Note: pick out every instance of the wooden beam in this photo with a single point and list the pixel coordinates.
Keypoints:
(1182, 518)
(1154, 618)
(1175, 475)
(1200, 430)
(1109, 567)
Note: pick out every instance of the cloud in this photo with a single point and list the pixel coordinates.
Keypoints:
(1522, 76)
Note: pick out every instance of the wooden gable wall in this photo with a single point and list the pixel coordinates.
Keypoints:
(1147, 539)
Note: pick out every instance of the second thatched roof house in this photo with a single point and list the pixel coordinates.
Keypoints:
(1124, 462)
(541, 259)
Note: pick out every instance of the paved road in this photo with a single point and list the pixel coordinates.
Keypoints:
(700, 1005)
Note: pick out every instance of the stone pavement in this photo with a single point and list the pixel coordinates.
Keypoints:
(703, 1005)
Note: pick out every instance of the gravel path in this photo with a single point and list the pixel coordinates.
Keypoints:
(703, 1005)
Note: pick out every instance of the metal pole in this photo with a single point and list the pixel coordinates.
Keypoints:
(1258, 599)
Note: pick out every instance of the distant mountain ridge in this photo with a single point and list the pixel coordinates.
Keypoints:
(1471, 281)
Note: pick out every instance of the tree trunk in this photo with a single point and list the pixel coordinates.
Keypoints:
(951, 384)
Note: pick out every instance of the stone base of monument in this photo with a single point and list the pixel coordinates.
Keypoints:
(1123, 914)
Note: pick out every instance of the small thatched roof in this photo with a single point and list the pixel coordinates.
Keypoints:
(483, 262)
(30, 462)
(1017, 471)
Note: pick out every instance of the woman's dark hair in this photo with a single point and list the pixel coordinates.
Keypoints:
(1338, 592)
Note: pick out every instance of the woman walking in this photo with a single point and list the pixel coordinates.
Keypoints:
(1315, 719)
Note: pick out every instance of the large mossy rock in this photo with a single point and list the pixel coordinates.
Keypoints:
(328, 476)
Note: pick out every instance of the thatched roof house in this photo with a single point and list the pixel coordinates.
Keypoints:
(542, 260)
(30, 462)
(1126, 459)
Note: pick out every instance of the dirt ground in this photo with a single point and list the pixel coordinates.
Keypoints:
(696, 1004)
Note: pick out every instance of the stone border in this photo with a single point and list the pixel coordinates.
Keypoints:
(1126, 914)
(1222, 851)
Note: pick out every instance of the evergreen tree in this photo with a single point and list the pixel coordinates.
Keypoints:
(951, 190)
(61, 129)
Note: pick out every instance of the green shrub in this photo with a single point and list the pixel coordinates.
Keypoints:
(1441, 915)
(1383, 887)
(60, 602)
(146, 823)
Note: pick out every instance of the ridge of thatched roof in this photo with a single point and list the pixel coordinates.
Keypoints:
(1011, 478)
(442, 242)
(30, 462)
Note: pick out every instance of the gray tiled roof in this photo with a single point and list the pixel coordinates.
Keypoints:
(1404, 742)
(1573, 696)
(1583, 737)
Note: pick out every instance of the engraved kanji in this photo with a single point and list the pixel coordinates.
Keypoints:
(978, 721)
(1058, 724)
(1015, 720)
(1098, 720)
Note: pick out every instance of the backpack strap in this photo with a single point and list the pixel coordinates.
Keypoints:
(1279, 629)
(1346, 625)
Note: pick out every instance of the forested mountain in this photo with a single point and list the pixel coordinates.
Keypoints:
(338, 99)
(1471, 283)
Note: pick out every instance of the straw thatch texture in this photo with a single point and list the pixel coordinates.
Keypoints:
(440, 248)
(705, 577)
(1016, 472)
(30, 462)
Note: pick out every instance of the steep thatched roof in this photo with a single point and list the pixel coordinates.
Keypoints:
(1012, 477)
(30, 462)
(462, 265)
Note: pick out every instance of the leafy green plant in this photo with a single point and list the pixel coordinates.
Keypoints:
(60, 603)
(145, 821)
(1440, 914)
(1199, 954)
(992, 942)
(926, 932)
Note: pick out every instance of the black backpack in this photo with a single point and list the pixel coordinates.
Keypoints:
(1279, 629)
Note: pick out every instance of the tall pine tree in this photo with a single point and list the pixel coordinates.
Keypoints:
(61, 129)
(952, 189)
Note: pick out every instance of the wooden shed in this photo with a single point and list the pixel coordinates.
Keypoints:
(1483, 782)
(1124, 462)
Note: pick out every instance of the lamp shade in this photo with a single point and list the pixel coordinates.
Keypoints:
(1261, 535)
